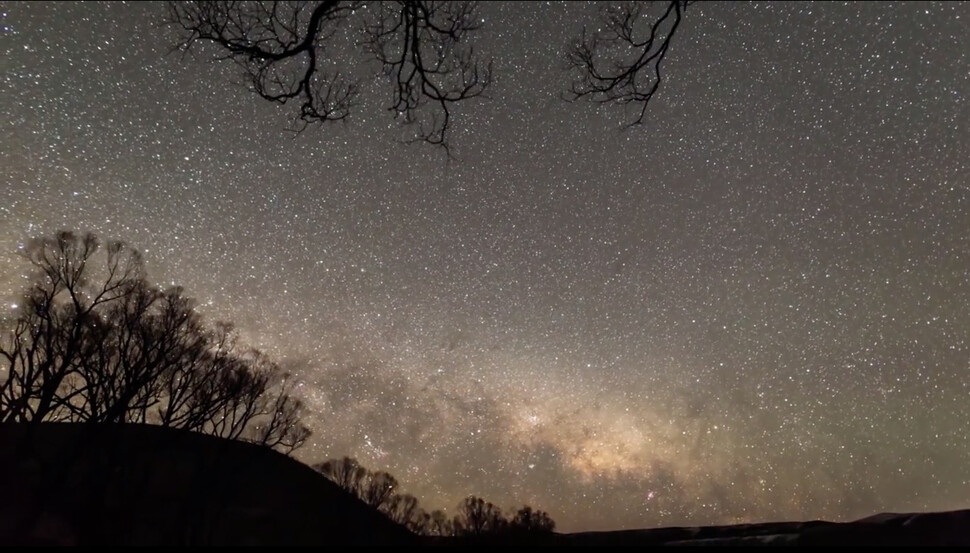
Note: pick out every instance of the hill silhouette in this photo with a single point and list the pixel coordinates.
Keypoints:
(906, 529)
(125, 484)
(131, 484)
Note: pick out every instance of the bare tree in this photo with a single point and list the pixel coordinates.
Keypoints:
(286, 52)
(439, 524)
(100, 345)
(345, 472)
(404, 510)
(477, 517)
(620, 63)
(379, 490)
(291, 51)
(527, 520)
(57, 333)
(278, 424)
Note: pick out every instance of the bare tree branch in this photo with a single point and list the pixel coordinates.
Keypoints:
(619, 63)
(419, 45)
(282, 48)
(277, 45)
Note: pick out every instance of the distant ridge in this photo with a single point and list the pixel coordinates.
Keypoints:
(944, 528)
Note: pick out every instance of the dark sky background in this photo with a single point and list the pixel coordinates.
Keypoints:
(755, 307)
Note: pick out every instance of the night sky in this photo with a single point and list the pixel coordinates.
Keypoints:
(754, 307)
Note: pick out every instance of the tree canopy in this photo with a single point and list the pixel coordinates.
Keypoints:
(92, 341)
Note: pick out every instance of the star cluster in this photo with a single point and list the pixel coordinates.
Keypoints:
(753, 307)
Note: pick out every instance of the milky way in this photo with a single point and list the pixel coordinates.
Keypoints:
(754, 307)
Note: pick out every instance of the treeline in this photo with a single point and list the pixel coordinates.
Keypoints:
(92, 341)
(475, 517)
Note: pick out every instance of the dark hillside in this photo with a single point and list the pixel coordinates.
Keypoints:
(134, 484)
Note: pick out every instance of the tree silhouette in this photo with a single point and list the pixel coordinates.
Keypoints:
(290, 52)
(439, 524)
(284, 51)
(404, 510)
(98, 344)
(377, 489)
(346, 473)
(620, 62)
(529, 521)
(477, 517)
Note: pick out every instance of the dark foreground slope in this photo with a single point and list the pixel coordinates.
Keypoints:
(137, 484)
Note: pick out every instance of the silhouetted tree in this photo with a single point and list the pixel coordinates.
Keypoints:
(286, 51)
(278, 426)
(620, 62)
(527, 520)
(477, 517)
(346, 473)
(439, 524)
(379, 490)
(99, 344)
(404, 510)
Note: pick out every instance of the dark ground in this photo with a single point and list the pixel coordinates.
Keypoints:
(72, 484)
(137, 484)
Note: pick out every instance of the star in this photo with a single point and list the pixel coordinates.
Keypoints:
(753, 306)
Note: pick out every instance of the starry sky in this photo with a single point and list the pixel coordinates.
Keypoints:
(754, 307)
